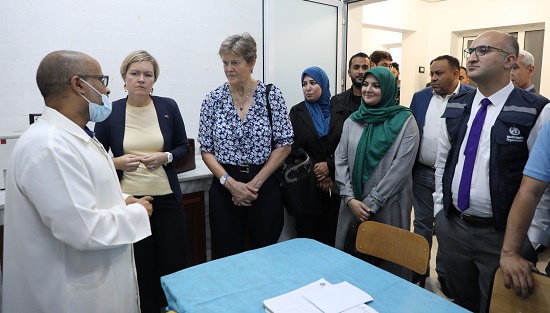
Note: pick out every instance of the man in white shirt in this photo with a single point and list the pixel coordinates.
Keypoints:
(68, 228)
(481, 154)
(427, 106)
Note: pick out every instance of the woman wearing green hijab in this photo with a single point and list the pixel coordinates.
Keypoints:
(374, 161)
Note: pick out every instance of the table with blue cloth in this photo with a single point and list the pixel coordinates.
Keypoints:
(240, 283)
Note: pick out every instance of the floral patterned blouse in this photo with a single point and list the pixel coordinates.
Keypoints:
(237, 142)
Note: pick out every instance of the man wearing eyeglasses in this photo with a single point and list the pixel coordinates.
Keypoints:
(481, 154)
(68, 228)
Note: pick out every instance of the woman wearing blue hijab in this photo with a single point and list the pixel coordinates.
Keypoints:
(317, 128)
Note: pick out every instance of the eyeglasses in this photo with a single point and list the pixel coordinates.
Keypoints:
(104, 79)
(482, 50)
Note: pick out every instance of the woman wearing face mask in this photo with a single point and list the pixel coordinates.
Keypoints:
(146, 135)
(374, 161)
(317, 126)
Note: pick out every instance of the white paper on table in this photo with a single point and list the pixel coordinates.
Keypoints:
(362, 308)
(294, 302)
(337, 298)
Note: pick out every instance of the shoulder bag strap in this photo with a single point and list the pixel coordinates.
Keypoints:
(267, 90)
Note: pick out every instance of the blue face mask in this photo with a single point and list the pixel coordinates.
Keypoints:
(98, 113)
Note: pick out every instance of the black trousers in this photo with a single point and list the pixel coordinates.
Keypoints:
(162, 253)
(321, 227)
(263, 220)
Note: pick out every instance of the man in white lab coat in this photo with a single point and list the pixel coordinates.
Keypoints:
(68, 228)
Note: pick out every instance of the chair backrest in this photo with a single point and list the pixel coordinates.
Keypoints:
(393, 244)
(503, 300)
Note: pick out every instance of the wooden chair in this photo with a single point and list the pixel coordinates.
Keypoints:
(504, 300)
(393, 244)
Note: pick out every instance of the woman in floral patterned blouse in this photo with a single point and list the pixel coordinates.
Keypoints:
(243, 149)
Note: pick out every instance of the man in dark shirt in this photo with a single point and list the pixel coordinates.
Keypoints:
(351, 98)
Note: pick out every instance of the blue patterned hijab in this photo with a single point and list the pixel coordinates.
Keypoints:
(320, 109)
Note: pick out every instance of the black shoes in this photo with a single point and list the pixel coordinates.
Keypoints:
(444, 287)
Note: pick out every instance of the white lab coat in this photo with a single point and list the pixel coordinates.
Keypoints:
(68, 233)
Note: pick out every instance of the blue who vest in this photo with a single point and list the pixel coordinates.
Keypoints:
(509, 151)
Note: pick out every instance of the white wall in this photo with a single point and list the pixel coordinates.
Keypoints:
(433, 29)
(355, 37)
(184, 37)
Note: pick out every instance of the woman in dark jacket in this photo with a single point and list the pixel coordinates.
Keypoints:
(147, 137)
(317, 128)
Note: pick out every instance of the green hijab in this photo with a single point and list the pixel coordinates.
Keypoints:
(383, 122)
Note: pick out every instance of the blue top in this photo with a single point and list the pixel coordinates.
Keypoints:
(237, 142)
(538, 165)
(241, 282)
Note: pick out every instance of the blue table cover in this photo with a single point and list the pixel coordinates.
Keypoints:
(240, 283)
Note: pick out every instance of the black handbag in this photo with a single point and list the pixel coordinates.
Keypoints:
(297, 181)
(295, 174)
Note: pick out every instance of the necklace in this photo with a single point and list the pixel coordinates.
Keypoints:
(248, 91)
(241, 107)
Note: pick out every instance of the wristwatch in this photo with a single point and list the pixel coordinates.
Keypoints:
(223, 179)
(170, 158)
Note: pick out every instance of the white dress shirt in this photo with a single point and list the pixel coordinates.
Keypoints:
(480, 197)
(431, 130)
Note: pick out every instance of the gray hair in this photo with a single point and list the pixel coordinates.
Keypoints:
(528, 58)
(241, 45)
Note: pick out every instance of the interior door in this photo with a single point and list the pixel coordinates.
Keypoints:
(299, 34)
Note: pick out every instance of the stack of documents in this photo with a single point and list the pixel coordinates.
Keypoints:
(321, 297)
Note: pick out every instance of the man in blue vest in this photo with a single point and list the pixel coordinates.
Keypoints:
(427, 106)
(481, 154)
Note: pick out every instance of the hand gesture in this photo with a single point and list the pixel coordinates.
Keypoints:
(242, 194)
(321, 171)
(155, 160)
(517, 273)
(360, 210)
(127, 162)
